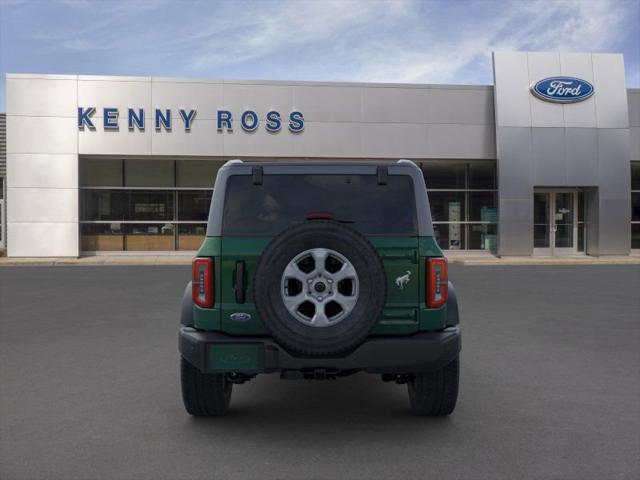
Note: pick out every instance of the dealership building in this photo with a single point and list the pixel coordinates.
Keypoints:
(546, 161)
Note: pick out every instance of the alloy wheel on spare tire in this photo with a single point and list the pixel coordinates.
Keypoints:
(319, 288)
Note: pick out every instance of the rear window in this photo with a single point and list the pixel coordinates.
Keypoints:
(285, 200)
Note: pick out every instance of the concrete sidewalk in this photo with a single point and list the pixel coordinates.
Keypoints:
(97, 260)
(460, 258)
(470, 260)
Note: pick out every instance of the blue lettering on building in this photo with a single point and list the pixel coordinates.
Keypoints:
(84, 117)
(225, 120)
(163, 119)
(110, 118)
(249, 119)
(136, 120)
(187, 118)
(296, 122)
(274, 123)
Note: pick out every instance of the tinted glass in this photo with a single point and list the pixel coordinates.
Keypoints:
(482, 175)
(447, 206)
(482, 206)
(103, 205)
(284, 200)
(482, 237)
(635, 175)
(149, 173)
(150, 205)
(444, 175)
(197, 173)
(635, 207)
(635, 235)
(193, 206)
(450, 236)
(101, 172)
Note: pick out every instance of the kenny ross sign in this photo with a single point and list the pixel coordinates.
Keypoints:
(162, 119)
(562, 89)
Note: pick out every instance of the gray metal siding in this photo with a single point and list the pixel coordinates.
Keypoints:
(633, 97)
(3, 144)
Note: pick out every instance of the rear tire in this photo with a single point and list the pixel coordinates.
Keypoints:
(434, 394)
(204, 394)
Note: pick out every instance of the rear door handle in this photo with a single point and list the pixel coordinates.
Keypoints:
(239, 285)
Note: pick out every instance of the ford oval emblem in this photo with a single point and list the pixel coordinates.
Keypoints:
(240, 317)
(562, 89)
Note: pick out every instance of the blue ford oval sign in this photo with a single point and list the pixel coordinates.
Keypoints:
(562, 89)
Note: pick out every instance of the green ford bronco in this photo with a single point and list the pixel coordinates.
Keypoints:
(316, 271)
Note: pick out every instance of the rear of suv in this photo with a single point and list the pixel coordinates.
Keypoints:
(315, 271)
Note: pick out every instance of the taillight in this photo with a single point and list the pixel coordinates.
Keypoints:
(437, 282)
(202, 282)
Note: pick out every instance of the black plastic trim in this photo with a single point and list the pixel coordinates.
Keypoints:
(421, 352)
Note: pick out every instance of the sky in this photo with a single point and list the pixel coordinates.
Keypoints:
(403, 41)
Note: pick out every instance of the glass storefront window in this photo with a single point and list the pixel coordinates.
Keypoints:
(150, 205)
(149, 173)
(135, 205)
(190, 236)
(482, 176)
(463, 199)
(103, 205)
(635, 235)
(444, 175)
(483, 236)
(450, 236)
(194, 205)
(635, 175)
(101, 237)
(635, 206)
(101, 172)
(197, 173)
(482, 206)
(447, 206)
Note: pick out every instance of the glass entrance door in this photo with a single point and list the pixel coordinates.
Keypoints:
(555, 222)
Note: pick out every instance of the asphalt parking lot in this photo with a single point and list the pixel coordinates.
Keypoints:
(550, 387)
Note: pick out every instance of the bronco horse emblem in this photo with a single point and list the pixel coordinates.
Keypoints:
(402, 280)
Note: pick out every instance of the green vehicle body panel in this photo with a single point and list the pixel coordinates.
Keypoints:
(403, 314)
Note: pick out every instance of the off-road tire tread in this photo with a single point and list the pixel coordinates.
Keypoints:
(435, 394)
(204, 394)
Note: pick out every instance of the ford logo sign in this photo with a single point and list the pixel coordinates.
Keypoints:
(562, 89)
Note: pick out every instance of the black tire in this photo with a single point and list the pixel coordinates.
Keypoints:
(435, 393)
(349, 332)
(204, 394)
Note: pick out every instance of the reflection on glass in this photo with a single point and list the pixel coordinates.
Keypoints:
(191, 236)
(194, 205)
(447, 206)
(541, 236)
(483, 237)
(450, 236)
(482, 175)
(635, 235)
(482, 204)
(563, 218)
(444, 175)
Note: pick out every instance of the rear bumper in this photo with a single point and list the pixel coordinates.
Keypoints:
(218, 352)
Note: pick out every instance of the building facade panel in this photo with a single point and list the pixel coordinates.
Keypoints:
(40, 239)
(611, 99)
(544, 114)
(42, 97)
(581, 114)
(49, 205)
(494, 158)
(40, 170)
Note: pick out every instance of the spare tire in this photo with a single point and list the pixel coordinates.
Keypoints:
(319, 288)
